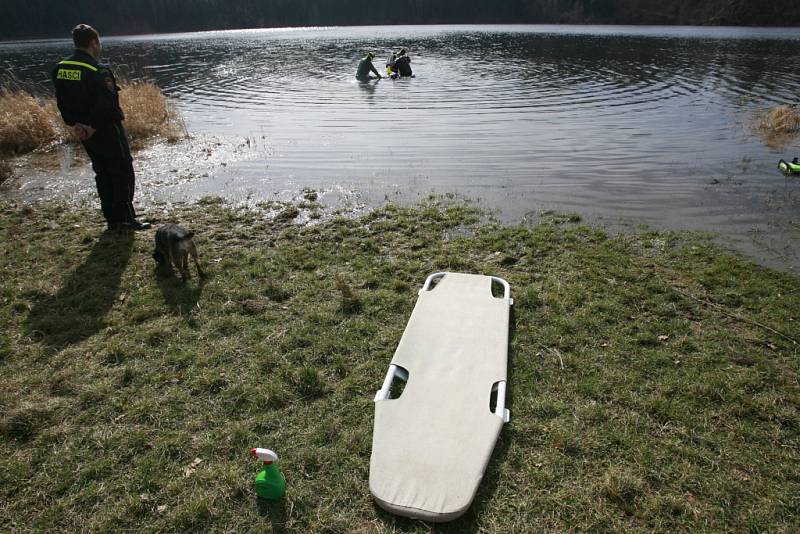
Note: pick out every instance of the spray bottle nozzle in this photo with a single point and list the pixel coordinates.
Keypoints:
(265, 455)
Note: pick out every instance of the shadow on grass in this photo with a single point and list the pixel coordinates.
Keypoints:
(78, 310)
(470, 521)
(275, 511)
(181, 297)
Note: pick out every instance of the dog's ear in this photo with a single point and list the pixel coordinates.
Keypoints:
(158, 256)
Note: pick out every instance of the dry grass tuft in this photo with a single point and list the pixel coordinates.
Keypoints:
(28, 123)
(350, 302)
(777, 125)
(149, 114)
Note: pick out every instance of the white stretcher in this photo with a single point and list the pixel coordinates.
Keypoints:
(431, 445)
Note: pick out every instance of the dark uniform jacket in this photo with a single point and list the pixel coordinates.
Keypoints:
(87, 93)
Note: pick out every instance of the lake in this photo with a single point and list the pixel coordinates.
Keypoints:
(622, 125)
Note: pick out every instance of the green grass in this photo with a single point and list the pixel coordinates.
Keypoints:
(653, 378)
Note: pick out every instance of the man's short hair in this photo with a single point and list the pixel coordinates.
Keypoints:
(83, 35)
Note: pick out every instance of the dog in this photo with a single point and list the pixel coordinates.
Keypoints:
(174, 245)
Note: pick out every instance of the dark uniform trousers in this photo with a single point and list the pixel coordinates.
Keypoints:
(113, 166)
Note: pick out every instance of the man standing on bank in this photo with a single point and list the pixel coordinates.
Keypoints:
(88, 98)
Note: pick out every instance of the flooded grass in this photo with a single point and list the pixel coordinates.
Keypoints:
(653, 378)
(29, 123)
(778, 126)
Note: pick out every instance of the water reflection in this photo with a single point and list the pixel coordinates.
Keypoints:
(368, 90)
(647, 123)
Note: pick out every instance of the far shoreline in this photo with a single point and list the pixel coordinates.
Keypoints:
(59, 37)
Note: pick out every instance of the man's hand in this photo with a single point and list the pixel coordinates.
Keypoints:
(83, 131)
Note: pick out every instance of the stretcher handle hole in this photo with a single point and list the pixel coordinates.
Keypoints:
(498, 289)
(431, 282)
(501, 289)
(497, 401)
(393, 383)
(399, 382)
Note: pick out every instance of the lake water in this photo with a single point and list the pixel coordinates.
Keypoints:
(622, 124)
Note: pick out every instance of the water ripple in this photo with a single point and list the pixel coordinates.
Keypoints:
(610, 120)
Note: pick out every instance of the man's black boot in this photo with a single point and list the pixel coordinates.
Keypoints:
(136, 225)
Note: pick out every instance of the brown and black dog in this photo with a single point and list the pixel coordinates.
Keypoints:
(174, 245)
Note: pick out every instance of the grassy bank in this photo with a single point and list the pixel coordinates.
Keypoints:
(653, 378)
(29, 123)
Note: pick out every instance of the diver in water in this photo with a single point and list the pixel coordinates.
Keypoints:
(391, 67)
(403, 64)
(365, 66)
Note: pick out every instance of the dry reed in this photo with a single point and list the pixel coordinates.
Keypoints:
(778, 125)
(28, 123)
(149, 114)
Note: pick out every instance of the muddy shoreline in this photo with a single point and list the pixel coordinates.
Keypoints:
(206, 166)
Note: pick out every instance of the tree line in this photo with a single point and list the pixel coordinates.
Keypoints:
(53, 18)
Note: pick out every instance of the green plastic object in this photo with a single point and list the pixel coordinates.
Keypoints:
(788, 168)
(270, 483)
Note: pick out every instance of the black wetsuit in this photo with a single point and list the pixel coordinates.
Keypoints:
(364, 68)
(403, 65)
(87, 93)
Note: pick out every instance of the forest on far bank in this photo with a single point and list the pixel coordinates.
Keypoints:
(24, 19)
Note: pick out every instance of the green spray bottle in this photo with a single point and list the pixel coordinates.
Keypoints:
(270, 483)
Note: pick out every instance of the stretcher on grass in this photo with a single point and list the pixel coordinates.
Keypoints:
(432, 443)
